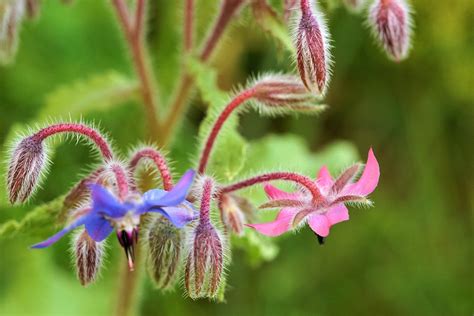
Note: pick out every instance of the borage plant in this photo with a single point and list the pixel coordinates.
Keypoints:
(187, 229)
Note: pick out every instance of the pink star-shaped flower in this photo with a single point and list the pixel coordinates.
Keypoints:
(299, 207)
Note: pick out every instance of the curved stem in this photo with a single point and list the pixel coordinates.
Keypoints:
(135, 39)
(122, 180)
(159, 161)
(287, 176)
(81, 129)
(234, 104)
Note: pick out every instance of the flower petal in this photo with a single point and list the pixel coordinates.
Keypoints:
(105, 202)
(319, 224)
(178, 215)
(324, 178)
(51, 240)
(276, 194)
(369, 179)
(179, 192)
(98, 228)
(279, 226)
(337, 214)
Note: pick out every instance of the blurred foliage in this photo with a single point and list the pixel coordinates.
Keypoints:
(409, 255)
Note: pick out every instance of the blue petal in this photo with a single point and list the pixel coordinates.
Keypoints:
(178, 215)
(51, 240)
(152, 196)
(179, 192)
(98, 228)
(105, 202)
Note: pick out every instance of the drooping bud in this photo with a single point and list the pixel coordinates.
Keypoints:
(279, 94)
(312, 49)
(354, 5)
(88, 255)
(205, 260)
(26, 165)
(235, 212)
(204, 263)
(390, 22)
(165, 248)
(11, 17)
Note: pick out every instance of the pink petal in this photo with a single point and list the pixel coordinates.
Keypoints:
(369, 179)
(324, 177)
(274, 193)
(338, 213)
(319, 224)
(279, 226)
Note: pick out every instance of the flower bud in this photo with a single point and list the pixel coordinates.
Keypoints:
(165, 245)
(235, 212)
(390, 22)
(88, 255)
(11, 16)
(277, 94)
(25, 168)
(204, 263)
(312, 49)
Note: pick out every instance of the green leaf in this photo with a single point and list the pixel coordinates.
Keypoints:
(35, 221)
(229, 153)
(98, 93)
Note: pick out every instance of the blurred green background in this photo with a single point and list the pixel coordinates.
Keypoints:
(411, 254)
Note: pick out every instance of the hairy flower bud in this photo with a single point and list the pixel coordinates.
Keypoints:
(390, 22)
(88, 255)
(312, 49)
(204, 263)
(25, 167)
(354, 5)
(235, 212)
(165, 247)
(11, 16)
(275, 94)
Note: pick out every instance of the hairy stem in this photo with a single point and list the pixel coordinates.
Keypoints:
(81, 129)
(287, 176)
(128, 288)
(121, 179)
(234, 104)
(186, 83)
(206, 201)
(134, 34)
(188, 26)
(159, 161)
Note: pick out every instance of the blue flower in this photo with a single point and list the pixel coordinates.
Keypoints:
(108, 213)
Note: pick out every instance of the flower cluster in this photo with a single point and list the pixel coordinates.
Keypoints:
(185, 227)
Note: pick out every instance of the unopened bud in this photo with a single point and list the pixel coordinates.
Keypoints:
(204, 272)
(235, 212)
(312, 49)
(25, 167)
(88, 256)
(11, 16)
(390, 21)
(165, 247)
(276, 94)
